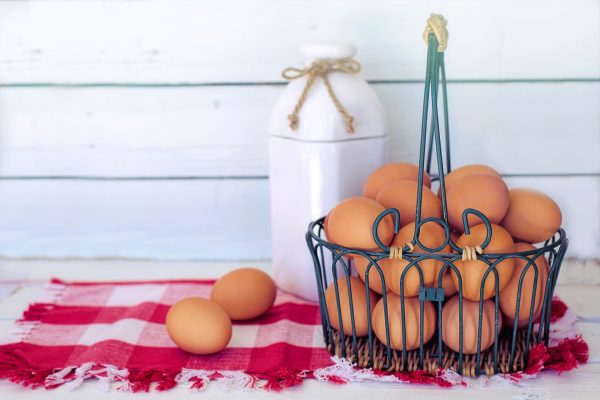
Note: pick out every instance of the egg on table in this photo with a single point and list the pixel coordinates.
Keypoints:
(198, 326)
(245, 293)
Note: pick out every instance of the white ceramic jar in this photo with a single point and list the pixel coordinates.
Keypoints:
(317, 165)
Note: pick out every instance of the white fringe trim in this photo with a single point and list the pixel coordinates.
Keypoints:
(105, 374)
(346, 371)
(229, 380)
(186, 375)
(110, 377)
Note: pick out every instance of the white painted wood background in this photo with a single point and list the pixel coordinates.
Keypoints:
(138, 129)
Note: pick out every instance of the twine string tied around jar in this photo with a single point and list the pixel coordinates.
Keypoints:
(322, 68)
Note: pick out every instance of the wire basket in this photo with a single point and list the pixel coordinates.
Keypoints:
(511, 345)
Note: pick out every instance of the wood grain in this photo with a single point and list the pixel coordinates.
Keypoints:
(198, 219)
(252, 41)
(165, 105)
(521, 128)
(213, 219)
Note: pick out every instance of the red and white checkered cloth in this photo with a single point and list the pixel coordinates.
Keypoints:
(114, 331)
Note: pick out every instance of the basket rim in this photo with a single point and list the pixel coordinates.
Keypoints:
(555, 241)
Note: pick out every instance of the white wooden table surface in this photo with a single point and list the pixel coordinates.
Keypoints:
(21, 283)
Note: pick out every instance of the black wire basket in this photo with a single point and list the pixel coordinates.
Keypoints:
(511, 345)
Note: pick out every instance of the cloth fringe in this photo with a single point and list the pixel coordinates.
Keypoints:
(566, 356)
(109, 377)
(343, 372)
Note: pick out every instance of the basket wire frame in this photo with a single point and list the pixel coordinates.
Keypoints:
(553, 250)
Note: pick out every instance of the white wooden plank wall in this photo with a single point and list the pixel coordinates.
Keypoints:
(138, 129)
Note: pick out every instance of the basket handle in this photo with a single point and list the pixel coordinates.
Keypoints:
(436, 24)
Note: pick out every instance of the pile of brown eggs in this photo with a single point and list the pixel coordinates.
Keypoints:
(204, 326)
(519, 218)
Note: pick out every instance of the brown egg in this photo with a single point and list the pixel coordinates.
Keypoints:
(402, 195)
(447, 284)
(508, 295)
(350, 224)
(326, 227)
(412, 315)
(532, 216)
(392, 172)
(472, 271)
(198, 326)
(245, 293)
(451, 325)
(455, 235)
(463, 171)
(431, 235)
(361, 264)
(359, 304)
(486, 193)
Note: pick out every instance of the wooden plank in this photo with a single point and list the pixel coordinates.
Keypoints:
(590, 331)
(174, 42)
(7, 288)
(206, 219)
(520, 128)
(135, 132)
(581, 271)
(198, 219)
(583, 300)
(36, 271)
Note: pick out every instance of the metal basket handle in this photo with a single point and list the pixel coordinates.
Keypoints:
(436, 37)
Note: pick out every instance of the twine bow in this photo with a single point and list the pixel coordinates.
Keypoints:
(470, 253)
(396, 251)
(436, 24)
(322, 68)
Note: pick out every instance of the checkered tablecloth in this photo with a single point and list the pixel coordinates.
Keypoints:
(114, 332)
